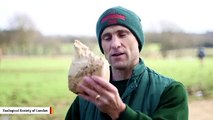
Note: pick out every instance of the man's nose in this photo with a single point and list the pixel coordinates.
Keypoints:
(115, 42)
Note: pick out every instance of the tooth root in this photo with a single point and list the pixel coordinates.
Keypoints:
(85, 62)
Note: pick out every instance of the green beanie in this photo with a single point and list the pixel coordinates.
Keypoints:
(120, 16)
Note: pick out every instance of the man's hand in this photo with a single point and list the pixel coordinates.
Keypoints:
(103, 94)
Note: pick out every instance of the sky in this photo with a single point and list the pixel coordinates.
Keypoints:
(79, 17)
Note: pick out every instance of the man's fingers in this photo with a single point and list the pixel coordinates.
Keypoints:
(103, 83)
(87, 91)
(94, 85)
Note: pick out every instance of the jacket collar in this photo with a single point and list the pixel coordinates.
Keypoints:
(137, 70)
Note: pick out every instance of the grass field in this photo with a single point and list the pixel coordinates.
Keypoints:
(35, 82)
(42, 81)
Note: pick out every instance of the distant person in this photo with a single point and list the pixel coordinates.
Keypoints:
(135, 92)
(201, 54)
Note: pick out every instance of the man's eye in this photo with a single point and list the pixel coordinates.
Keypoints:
(107, 38)
(122, 34)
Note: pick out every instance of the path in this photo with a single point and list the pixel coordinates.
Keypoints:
(201, 109)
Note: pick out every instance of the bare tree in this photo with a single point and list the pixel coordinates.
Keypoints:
(172, 37)
(21, 21)
(22, 30)
(1, 55)
(167, 26)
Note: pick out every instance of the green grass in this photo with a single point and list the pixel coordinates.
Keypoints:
(35, 82)
(187, 70)
(42, 81)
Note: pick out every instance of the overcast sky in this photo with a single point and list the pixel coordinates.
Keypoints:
(79, 17)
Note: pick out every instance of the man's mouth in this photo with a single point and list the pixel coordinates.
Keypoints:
(117, 54)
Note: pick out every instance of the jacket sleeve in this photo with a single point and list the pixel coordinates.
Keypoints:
(73, 112)
(173, 105)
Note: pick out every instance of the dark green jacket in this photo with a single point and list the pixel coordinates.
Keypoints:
(148, 96)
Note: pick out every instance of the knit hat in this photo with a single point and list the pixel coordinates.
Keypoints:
(120, 16)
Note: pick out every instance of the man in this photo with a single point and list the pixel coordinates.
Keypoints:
(134, 92)
(201, 54)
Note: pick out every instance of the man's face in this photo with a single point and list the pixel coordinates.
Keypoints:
(120, 47)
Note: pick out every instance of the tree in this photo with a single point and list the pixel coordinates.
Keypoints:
(22, 31)
(172, 37)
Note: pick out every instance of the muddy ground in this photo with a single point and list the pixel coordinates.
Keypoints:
(201, 109)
